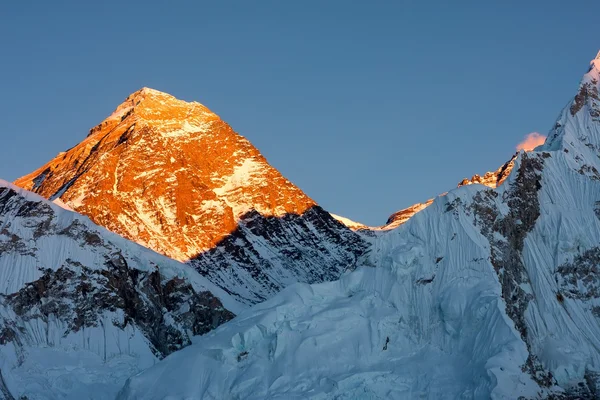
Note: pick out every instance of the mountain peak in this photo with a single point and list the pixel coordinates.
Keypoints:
(577, 129)
(594, 71)
(135, 98)
(148, 90)
(160, 110)
(168, 174)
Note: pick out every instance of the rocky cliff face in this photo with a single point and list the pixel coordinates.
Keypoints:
(175, 178)
(70, 287)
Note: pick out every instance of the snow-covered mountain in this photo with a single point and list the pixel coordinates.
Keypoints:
(82, 308)
(172, 176)
(489, 292)
(490, 179)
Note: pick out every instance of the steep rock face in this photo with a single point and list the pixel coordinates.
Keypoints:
(175, 178)
(490, 292)
(164, 310)
(270, 253)
(69, 287)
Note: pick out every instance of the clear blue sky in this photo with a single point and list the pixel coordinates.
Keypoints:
(368, 107)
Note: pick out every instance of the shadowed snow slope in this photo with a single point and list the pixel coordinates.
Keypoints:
(488, 292)
(81, 308)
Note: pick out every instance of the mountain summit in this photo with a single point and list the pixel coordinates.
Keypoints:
(167, 174)
(174, 177)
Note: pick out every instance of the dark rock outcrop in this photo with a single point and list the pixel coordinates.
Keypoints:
(506, 252)
(165, 310)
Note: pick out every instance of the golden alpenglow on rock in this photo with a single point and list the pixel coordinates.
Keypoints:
(167, 174)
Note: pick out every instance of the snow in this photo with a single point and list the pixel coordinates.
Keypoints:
(453, 332)
(187, 129)
(77, 366)
(73, 204)
(349, 223)
(397, 219)
(120, 112)
(59, 203)
(248, 173)
(56, 248)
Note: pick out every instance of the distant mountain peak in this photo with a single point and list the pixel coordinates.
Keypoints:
(168, 174)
